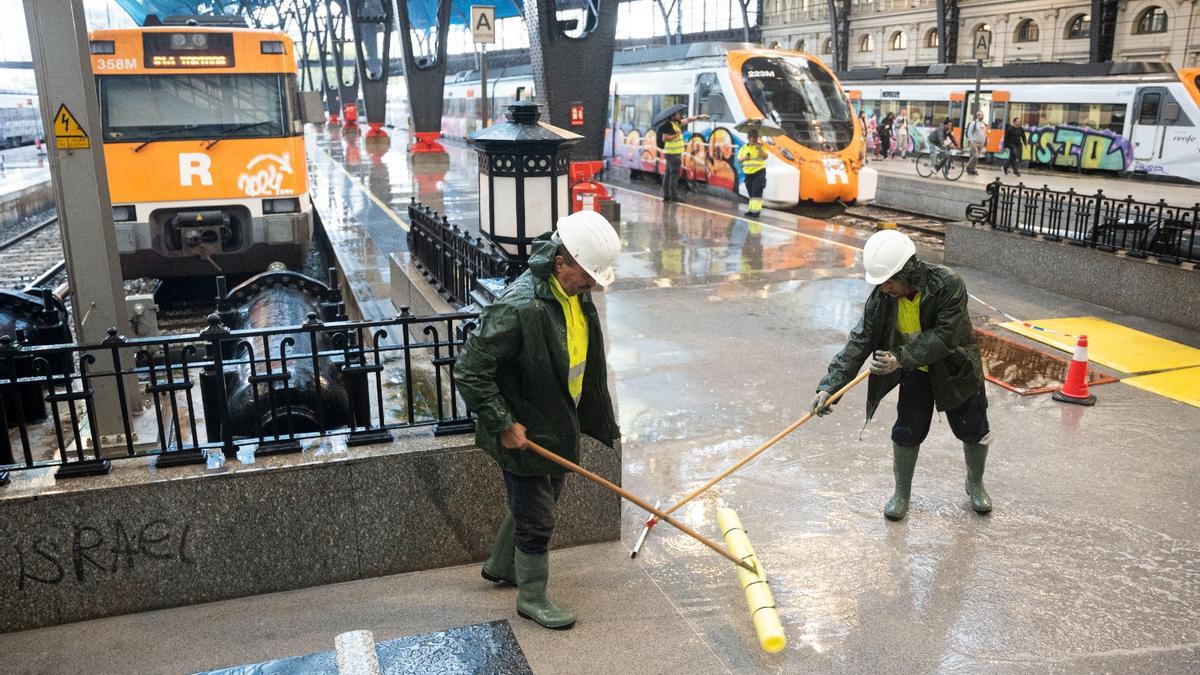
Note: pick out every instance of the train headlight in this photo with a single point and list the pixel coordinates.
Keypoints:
(102, 47)
(271, 46)
(290, 205)
(122, 214)
(787, 154)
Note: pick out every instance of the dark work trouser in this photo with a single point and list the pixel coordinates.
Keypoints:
(671, 177)
(914, 412)
(755, 184)
(1011, 161)
(531, 501)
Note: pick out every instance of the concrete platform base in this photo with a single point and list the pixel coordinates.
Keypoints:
(141, 539)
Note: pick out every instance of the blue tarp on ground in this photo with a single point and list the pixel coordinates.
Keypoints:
(422, 12)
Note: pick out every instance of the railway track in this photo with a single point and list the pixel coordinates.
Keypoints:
(33, 257)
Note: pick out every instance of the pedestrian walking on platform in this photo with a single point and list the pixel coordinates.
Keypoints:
(1014, 142)
(535, 370)
(670, 132)
(901, 126)
(885, 136)
(976, 136)
(916, 333)
(752, 157)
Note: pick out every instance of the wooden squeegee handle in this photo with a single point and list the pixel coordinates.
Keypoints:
(641, 503)
(762, 448)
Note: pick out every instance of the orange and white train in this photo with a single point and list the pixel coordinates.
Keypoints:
(204, 145)
(819, 158)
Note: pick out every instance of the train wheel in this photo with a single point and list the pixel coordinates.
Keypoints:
(925, 165)
(954, 168)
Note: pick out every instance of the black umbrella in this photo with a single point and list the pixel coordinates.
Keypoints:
(667, 112)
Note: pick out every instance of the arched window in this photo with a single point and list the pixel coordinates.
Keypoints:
(801, 46)
(1079, 27)
(775, 44)
(1152, 20)
(1027, 31)
(866, 43)
(899, 41)
(931, 39)
(827, 46)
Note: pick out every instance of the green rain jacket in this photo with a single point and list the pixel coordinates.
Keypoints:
(946, 343)
(514, 369)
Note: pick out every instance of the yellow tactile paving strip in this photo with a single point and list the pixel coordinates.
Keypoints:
(1181, 385)
(1112, 345)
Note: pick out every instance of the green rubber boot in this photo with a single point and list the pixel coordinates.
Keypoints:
(904, 462)
(976, 454)
(499, 567)
(533, 573)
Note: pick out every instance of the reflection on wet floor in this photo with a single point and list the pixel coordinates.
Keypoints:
(1023, 369)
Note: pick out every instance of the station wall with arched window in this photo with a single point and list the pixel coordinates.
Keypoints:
(1079, 27)
(899, 41)
(931, 38)
(827, 46)
(866, 43)
(1153, 19)
(1027, 31)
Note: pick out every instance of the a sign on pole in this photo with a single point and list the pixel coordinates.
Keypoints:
(983, 44)
(483, 24)
(68, 135)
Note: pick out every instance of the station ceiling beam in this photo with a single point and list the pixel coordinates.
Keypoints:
(947, 31)
(1104, 30)
(839, 28)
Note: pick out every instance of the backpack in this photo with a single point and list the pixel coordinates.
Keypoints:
(658, 136)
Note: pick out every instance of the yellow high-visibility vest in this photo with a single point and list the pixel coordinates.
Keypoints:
(577, 338)
(752, 159)
(908, 320)
(674, 146)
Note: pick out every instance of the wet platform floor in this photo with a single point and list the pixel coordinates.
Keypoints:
(718, 330)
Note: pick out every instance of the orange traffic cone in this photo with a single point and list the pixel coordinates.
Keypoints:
(1075, 389)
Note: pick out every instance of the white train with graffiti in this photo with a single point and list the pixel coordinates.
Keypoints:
(1141, 118)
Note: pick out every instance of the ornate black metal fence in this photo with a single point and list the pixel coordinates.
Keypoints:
(451, 259)
(395, 373)
(1140, 229)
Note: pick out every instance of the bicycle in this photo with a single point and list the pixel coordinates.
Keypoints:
(950, 164)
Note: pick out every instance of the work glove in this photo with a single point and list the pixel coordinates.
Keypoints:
(820, 404)
(883, 363)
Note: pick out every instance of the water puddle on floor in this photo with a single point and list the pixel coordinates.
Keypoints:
(1025, 370)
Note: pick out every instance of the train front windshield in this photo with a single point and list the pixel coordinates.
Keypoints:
(167, 107)
(801, 98)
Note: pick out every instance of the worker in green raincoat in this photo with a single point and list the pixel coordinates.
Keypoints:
(535, 371)
(916, 333)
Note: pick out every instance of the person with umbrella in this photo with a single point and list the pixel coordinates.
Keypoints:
(669, 126)
(753, 159)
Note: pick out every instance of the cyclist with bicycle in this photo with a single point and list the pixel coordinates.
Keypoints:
(940, 140)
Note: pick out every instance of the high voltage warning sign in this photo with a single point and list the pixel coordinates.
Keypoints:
(68, 135)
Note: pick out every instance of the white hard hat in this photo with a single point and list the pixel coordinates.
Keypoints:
(592, 242)
(885, 254)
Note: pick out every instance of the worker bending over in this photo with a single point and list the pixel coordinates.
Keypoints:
(916, 332)
(534, 370)
(753, 159)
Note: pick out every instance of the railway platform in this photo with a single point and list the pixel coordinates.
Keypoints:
(718, 329)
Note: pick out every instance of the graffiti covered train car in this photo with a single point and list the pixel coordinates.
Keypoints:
(1139, 118)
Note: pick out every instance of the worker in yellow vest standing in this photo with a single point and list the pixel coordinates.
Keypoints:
(753, 159)
(671, 134)
(535, 370)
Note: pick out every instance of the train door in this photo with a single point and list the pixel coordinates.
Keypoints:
(997, 118)
(709, 100)
(957, 115)
(1147, 122)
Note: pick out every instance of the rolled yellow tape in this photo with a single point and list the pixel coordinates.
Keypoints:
(754, 584)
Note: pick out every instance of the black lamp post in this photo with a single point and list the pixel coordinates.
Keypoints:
(523, 184)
